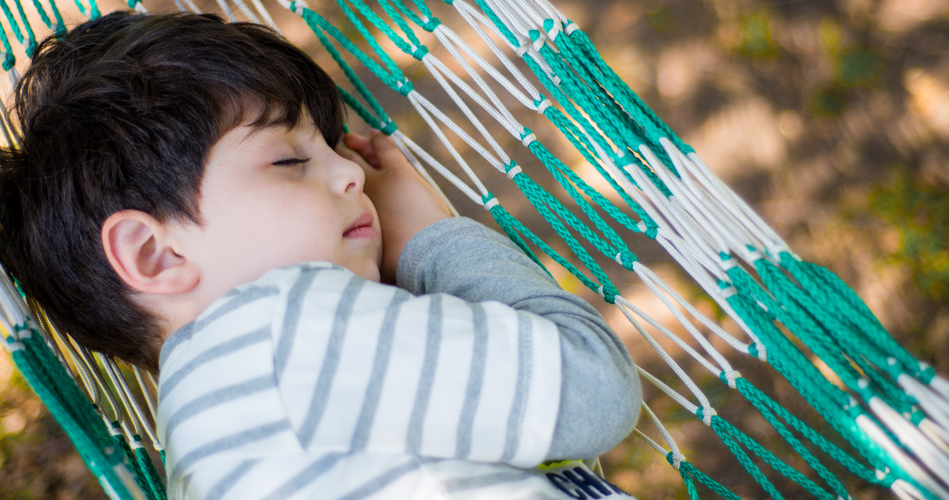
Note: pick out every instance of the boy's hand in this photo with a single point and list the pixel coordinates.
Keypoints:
(405, 202)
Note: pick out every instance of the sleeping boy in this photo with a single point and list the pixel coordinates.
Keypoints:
(184, 199)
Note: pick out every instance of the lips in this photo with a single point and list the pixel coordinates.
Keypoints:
(361, 227)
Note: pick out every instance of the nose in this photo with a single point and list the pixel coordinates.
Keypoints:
(348, 178)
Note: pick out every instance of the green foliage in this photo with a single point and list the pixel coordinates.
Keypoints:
(855, 65)
(922, 216)
(756, 38)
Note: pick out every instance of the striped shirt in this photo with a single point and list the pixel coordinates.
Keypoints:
(311, 382)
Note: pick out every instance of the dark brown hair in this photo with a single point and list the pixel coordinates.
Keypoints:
(120, 113)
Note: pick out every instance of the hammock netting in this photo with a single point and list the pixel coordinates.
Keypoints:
(892, 410)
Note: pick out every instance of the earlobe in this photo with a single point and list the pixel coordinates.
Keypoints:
(141, 252)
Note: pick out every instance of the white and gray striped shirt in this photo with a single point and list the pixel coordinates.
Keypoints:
(313, 383)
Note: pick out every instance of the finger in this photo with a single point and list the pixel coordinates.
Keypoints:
(362, 146)
(388, 153)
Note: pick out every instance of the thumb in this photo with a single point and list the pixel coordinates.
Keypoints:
(386, 150)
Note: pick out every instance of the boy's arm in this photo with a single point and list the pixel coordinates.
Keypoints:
(600, 393)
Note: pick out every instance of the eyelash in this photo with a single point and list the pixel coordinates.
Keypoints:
(291, 161)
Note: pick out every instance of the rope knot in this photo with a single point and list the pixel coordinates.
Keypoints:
(542, 104)
(608, 292)
(527, 137)
(431, 23)
(420, 53)
(730, 377)
(8, 60)
(406, 87)
(570, 28)
(626, 259)
(389, 128)
(926, 373)
(552, 28)
(489, 201)
(512, 170)
(675, 459)
(706, 414)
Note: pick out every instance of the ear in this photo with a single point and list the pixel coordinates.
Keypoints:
(143, 254)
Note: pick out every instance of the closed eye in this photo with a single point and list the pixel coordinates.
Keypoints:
(291, 161)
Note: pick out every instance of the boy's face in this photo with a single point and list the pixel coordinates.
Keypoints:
(274, 197)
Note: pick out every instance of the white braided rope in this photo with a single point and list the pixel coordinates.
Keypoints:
(628, 310)
(466, 13)
(677, 456)
(426, 109)
(441, 169)
(897, 454)
(652, 281)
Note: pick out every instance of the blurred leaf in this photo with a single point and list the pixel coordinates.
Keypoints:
(922, 217)
(661, 19)
(756, 35)
(857, 66)
(831, 34)
(831, 101)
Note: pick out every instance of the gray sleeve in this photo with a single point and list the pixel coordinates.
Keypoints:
(600, 395)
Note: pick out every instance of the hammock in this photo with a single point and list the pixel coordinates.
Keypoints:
(892, 409)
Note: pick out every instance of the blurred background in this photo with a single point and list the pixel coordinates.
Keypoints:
(830, 117)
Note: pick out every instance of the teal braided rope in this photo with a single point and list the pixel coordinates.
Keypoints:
(687, 470)
(488, 11)
(579, 46)
(803, 326)
(605, 114)
(61, 385)
(504, 218)
(606, 117)
(556, 168)
(828, 287)
(509, 221)
(74, 402)
(823, 396)
(42, 12)
(119, 439)
(93, 9)
(787, 292)
(9, 60)
(746, 462)
(581, 143)
(575, 115)
(603, 202)
(60, 25)
(761, 400)
(772, 460)
(90, 441)
(30, 36)
(396, 13)
(539, 199)
(686, 478)
(578, 69)
(795, 443)
(810, 322)
(153, 480)
(371, 40)
(317, 23)
(14, 25)
(360, 110)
